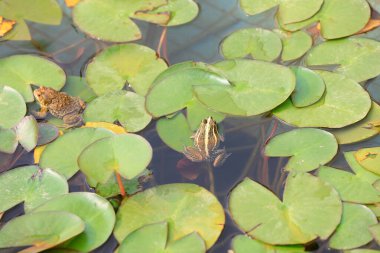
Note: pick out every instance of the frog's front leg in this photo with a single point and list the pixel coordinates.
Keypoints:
(40, 114)
(72, 120)
(193, 154)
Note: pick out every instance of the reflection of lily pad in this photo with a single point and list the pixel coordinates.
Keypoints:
(125, 63)
(369, 158)
(310, 209)
(187, 208)
(153, 238)
(294, 45)
(12, 107)
(261, 44)
(358, 58)
(344, 102)
(96, 213)
(31, 186)
(8, 141)
(308, 147)
(27, 133)
(128, 108)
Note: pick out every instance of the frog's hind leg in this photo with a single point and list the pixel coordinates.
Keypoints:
(220, 157)
(71, 120)
(193, 154)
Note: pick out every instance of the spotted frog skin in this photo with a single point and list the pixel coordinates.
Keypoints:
(60, 105)
(206, 142)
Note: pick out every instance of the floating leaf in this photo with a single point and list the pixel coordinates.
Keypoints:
(96, 213)
(20, 71)
(311, 208)
(71, 145)
(358, 58)
(8, 141)
(46, 133)
(12, 106)
(27, 133)
(372, 24)
(153, 238)
(309, 87)
(369, 158)
(125, 107)
(308, 147)
(345, 102)
(259, 43)
(30, 185)
(196, 112)
(181, 11)
(176, 204)
(113, 67)
(77, 87)
(294, 45)
(257, 87)
(6, 26)
(112, 127)
(126, 154)
(352, 231)
(375, 231)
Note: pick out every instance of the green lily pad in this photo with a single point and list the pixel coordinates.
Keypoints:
(355, 188)
(375, 208)
(38, 11)
(309, 87)
(290, 11)
(113, 67)
(12, 106)
(358, 58)
(27, 133)
(153, 238)
(369, 158)
(345, 102)
(310, 208)
(176, 204)
(259, 43)
(308, 147)
(97, 17)
(244, 244)
(362, 251)
(196, 112)
(362, 130)
(128, 108)
(127, 154)
(352, 231)
(256, 87)
(175, 87)
(76, 86)
(71, 145)
(20, 71)
(294, 45)
(375, 231)
(336, 18)
(46, 133)
(96, 213)
(181, 11)
(8, 141)
(43, 230)
(29, 185)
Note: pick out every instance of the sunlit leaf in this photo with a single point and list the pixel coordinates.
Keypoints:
(77, 87)
(375, 231)
(12, 107)
(196, 112)
(27, 133)
(369, 158)
(112, 127)
(176, 204)
(8, 141)
(294, 45)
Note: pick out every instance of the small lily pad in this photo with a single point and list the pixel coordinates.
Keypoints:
(43, 230)
(27, 133)
(369, 158)
(260, 44)
(177, 204)
(46, 133)
(8, 141)
(375, 231)
(153, 238)
(31, 186)
(310, 208)
(308, 147)
(294, 45)
(196, 112)
(12, 107)
(127, 154)
(76, 86)
(181, 11)
(117, 65)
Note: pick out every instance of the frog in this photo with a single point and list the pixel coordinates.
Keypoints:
(60, 105)
(206, 141)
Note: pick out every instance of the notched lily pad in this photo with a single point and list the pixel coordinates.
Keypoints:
(46, 133)
(369, 158)
(8, 141)
(27, 133)
(294, 45)
(12, 106)
(76, 86)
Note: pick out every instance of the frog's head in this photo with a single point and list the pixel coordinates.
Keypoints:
(44, 95)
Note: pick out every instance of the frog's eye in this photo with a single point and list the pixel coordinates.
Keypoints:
(204, 121)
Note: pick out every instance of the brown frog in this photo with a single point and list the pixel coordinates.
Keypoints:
(60, 105)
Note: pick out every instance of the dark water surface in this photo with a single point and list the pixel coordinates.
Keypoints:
(198, 41)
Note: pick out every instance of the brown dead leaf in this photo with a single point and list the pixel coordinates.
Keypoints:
(71, 3)
(372, 24)
(6, 26)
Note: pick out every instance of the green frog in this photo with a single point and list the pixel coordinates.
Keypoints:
(206, 142)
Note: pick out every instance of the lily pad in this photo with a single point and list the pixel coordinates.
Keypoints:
(127, 154)
(117, 65)
(345, 102)
(30, 185)
(71, 145)
(310, 208)
(27, 133)
(352, 231)
(244, 244)
(96, 213)
(357, 58)
(20, 71)
(309, 87)
(196, 112)
(375, 4)
(76, 86)
(46, 133)
(256, 87)
(176, 204)
(294, 45)
(308, 147)
(125, 107)
(8, 141)
(375, 231)
(260, 44)
(43, 230)
(369, 158)
(181, 11)
(12, 107)
(153, 238)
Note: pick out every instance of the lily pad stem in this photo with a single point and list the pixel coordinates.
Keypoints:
(211, 177)
(120, 183)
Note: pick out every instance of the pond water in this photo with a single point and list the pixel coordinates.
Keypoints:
(197, 41)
